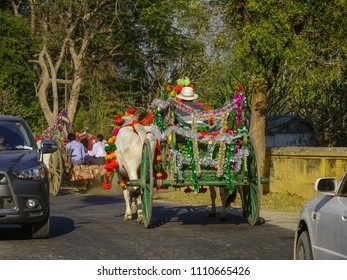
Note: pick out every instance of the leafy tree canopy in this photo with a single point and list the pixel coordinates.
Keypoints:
(294, 51)
(16, 48)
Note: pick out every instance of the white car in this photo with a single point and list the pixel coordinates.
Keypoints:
(322, 229)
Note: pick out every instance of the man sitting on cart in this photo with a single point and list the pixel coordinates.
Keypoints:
(76, 149)
(97, 154)
(187, 96)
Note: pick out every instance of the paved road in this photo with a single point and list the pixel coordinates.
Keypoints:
(91, 227)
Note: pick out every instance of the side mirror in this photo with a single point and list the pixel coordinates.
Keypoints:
(47, 146)
(326, 185)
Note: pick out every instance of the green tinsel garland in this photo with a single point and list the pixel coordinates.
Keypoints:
(159, 120)
(193, 164)
(244, 145)
(228, 173)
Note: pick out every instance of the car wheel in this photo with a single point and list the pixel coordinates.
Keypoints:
(303, 247)
(39, 230)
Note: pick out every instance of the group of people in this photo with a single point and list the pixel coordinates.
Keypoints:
(81, 155)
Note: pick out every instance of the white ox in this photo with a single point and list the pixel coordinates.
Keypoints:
(129, 143)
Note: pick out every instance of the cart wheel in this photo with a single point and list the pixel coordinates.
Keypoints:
(251, 193)
(147, 183)
(55, 172)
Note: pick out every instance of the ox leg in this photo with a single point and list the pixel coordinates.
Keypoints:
(139, 210)
(136, 207)
(213, 202)
(133, 205)
(128, 216)
(224, 193)
(134, 192)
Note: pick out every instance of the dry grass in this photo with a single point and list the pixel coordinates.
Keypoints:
(283, 202)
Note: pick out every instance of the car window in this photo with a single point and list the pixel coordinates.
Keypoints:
(343, 188)
(14, 135)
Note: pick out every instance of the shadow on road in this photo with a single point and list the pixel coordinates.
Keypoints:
(195, 215)
(11, 232)
(59, 226)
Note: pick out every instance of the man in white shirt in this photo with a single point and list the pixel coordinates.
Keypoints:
(98, 153)
(76, 149)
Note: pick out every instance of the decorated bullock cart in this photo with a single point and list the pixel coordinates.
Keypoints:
(214, 148)
(59, 163)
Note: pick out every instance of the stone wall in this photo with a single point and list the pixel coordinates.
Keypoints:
(295, 169)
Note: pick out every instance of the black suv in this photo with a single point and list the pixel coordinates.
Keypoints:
(24, 185)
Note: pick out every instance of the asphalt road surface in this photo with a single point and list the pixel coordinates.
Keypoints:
(90, 226)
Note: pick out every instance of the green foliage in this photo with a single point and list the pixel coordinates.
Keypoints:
(295, 51)
(8, 105)
(298, 60)
(151, 51)
(96, 110)
(16, 48)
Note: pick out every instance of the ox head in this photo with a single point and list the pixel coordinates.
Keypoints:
(129, 119)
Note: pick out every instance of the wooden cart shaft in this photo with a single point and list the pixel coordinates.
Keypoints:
(190, 183)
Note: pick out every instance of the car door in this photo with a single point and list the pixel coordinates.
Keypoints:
(331, 226)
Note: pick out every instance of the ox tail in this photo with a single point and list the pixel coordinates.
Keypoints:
(134, 192)
(231, 198)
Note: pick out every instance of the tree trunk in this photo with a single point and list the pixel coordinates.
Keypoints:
(78, 63)
(42, 86)
(75, 91)
(15, 7)
(49, 78)
(258, 123)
